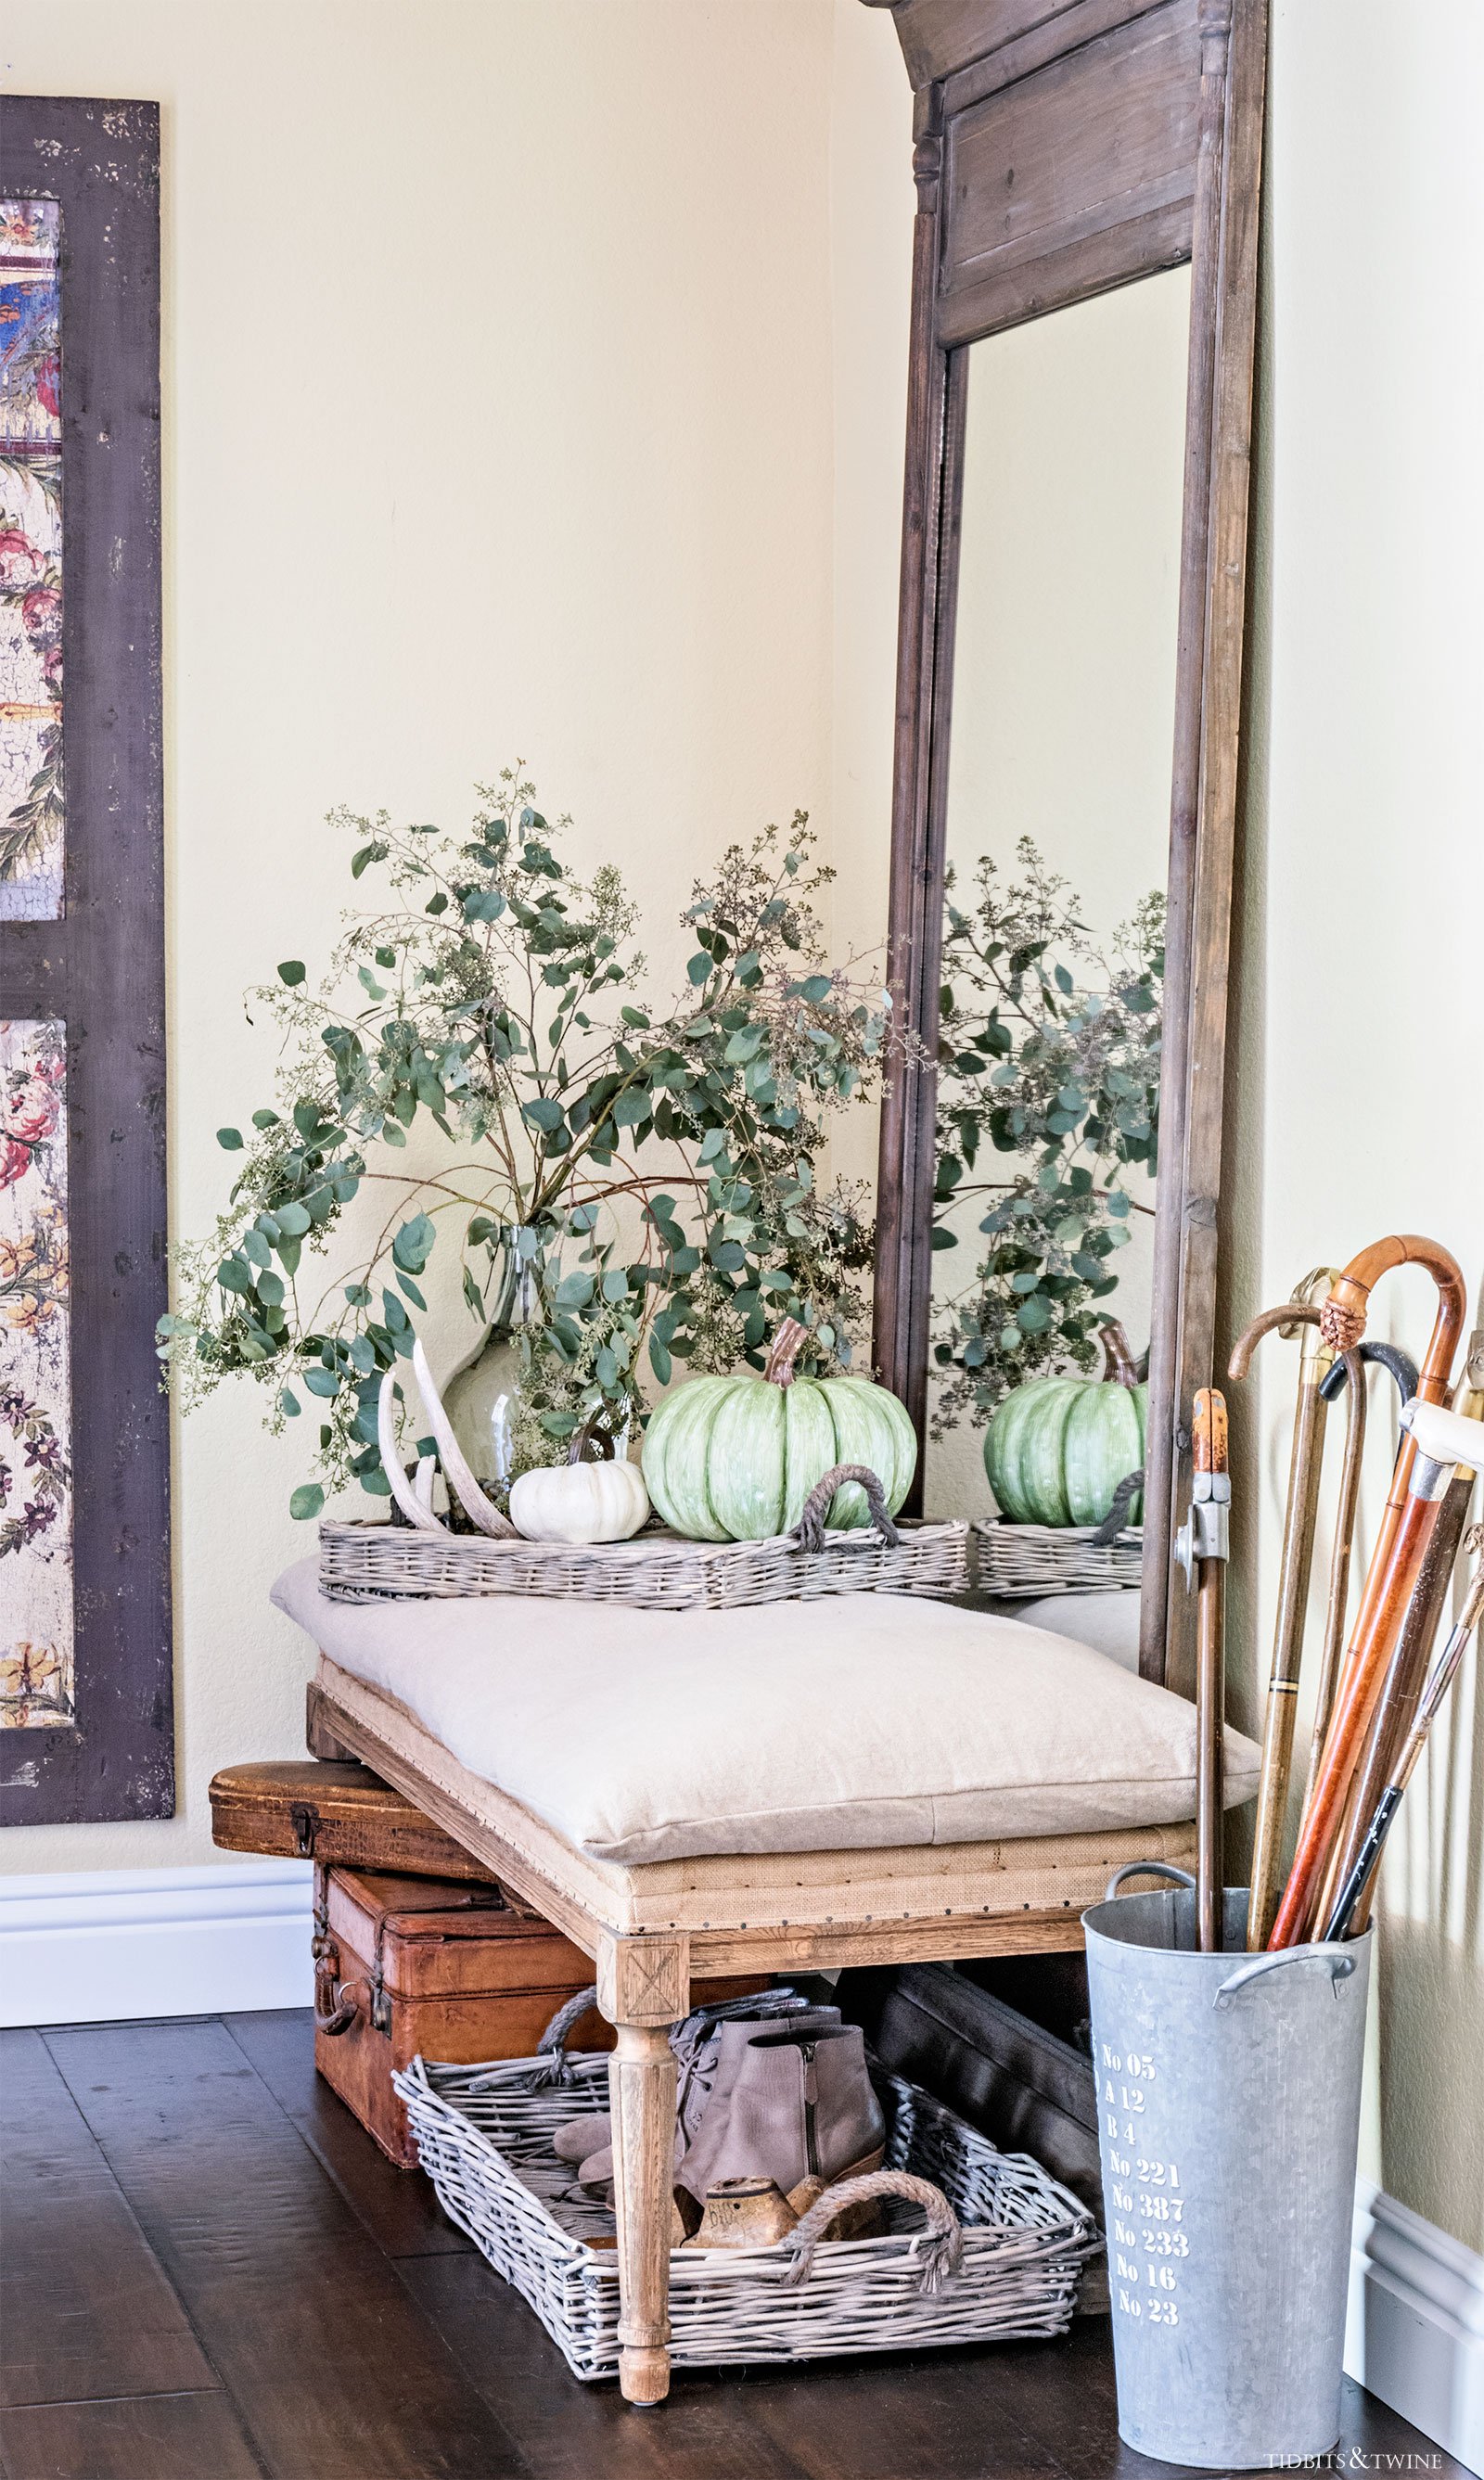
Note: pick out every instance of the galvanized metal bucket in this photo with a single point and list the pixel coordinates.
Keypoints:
(1229, 2094)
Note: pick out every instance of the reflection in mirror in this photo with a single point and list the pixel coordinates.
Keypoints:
(1058, 830)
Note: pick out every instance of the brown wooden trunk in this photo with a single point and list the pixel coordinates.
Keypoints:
(445, 1969)
(334, 1813)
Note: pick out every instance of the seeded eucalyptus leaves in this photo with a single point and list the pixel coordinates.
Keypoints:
(1048, 1101)
(654, 1167)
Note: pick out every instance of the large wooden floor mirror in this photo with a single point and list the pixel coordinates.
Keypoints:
(1069, 684)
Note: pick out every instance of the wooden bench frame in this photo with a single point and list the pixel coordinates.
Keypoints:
(644, 1976)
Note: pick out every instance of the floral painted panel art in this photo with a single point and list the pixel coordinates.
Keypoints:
(36, 1517)
(31, 788)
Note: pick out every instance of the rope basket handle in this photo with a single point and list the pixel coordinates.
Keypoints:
(809, 1531)
(552, 2047)
(1117, 1515)
(939, 2249)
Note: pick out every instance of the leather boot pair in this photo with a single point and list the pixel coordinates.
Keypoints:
(799, 2109)
(708, 2047)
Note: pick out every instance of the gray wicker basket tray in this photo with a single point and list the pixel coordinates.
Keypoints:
(485, 2138)
(656, 1571)
(1019, 1561)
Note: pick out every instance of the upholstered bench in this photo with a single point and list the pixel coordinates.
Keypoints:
(795, 1788)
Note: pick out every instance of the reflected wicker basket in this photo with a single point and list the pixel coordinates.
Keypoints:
(1021, 1562)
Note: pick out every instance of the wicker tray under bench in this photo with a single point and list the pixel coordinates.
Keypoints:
(485, 2138)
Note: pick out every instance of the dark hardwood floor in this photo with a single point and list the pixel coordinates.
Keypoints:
(207, 2272)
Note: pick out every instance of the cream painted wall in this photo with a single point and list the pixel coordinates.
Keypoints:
(497, 423)
(1362, 1009)
(872, 206)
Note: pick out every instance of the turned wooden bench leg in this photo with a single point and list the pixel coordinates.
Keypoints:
(643, 1988)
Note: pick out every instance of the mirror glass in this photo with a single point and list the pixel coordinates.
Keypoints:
(1058, 830)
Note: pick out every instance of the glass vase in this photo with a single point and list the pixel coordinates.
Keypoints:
(483, 1397)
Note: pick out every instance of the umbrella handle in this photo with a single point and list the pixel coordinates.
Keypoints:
(1385, 1355)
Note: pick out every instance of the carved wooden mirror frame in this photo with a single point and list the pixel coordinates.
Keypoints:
(1062, 151)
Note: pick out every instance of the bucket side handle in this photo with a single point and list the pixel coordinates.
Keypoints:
(1146, 1869)
(1336, 1962)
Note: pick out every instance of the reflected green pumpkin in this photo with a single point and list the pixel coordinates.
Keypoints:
(1057, 1449)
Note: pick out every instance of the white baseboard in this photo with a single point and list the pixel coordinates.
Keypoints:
(114, 1943)
(1416, 2331)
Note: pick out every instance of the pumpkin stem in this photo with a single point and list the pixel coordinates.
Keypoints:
(1118, 1366)
(596, 1435)
(784, 1351)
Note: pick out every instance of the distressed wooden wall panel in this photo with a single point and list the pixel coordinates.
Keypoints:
(98, 971)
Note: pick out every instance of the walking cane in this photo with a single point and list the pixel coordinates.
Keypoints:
(1406, 1524)
(1440, 1441)
(1355, 1894)
(1404, 1680)
(1347, 1372)
(1299, 1316)
(1204, 1541)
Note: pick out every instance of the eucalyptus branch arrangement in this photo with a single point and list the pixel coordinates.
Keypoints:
(654, 1169)
(1049, 1055)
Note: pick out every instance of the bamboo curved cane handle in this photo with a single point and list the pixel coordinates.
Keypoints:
(939, 2251)
(1148, 1869)
(809, 1531)
(1336, 1961)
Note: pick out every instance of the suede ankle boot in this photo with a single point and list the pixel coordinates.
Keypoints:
(705, 2082)
(698, 2044)
(801, 2107)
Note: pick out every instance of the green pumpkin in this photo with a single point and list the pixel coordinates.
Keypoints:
(1058, 1448)
(734, 1458)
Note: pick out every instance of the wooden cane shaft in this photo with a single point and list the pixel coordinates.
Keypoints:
(1405, 1681)
(1352, 1906)
(1365, 1673)
(1209, 1805)
(1340, 1566)
(1272, 1810)
(1296, 1567)
(1406, 1524)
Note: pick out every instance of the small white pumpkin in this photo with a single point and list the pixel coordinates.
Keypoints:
(582, 1502)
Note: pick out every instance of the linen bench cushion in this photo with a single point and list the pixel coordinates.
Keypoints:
(850, 1899)
(867, 1722)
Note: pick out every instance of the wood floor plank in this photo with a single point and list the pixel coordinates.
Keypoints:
(333, 2370)
(928, 2415)
(397, 2206)
(566, 2430)
(85, 2308)
(149, 2436)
